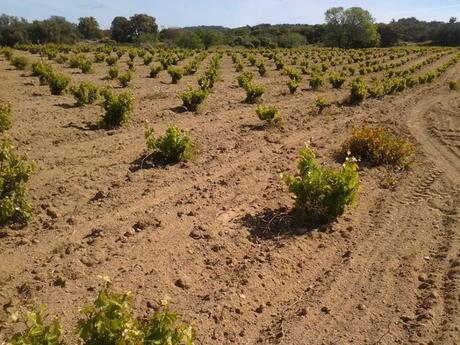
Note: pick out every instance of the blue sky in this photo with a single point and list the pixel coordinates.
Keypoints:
(231, 13)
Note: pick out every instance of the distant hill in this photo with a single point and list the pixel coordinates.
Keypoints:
(205, 27)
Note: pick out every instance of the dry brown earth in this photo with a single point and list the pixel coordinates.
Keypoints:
(388, 272)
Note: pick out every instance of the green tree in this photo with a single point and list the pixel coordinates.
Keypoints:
(210, 37)
(190, 40)
(245, 41)
(143, 26)
(350, 28)
(120, 29)
(88, 27)
(448, 34)
(335, 21)
(13, 34)
(414, 30)
(291, 39)
(13, 30)
(56, 29)
(388, 35)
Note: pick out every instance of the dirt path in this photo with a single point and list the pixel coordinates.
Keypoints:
(445, 156)
(439, 152)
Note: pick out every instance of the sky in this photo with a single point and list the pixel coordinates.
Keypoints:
(229, 13)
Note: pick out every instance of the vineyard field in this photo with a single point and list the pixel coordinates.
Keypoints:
(215, 231)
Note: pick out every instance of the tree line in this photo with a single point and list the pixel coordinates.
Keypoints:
(346, 28)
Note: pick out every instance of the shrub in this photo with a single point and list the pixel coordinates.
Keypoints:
(109, 321)
(130, 65)
(191, 68)
(5, 116)
(293, 85)
(262, 69)
(58, 83)
(411, 81)
(254, 92)
(316, 81)
(394, 85)
(322, 193)
(322, 103)
(192, 99)
(166, 62)
(165, 328)
(7, 52)
(114, 72)
(39, 68)
(305, 63)
(244, 79)
(118, 108)
(279, 64)
(148, 58)
(269, 114)
(174, 145)
(429, 77)
(37, 332)
(132, 54)
(85, 93)
(207, 81)
(20, 62)
(85, 65)
(50, 53)
(376, 89)
(43, 71)
(315, 69)
(293, 74)
(81, 62)
(337, 80)
(453, 85)
(15, 172)
(175, 73)
(359, 91)
(99, 57)
(111, 60)
(74, 61)
(155, 70)
(378, 146)
(125, 79)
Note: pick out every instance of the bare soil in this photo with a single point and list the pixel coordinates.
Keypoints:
(387, 272)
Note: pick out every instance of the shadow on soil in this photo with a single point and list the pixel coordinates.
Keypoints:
(273, 224)
(150, 161)
(364, 164)
(87, 126)
(66, 105)
(178, 110)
